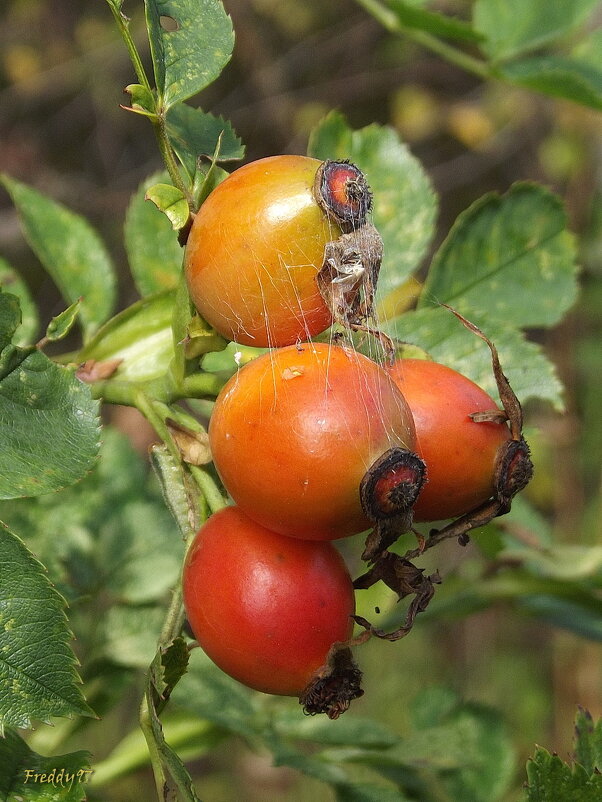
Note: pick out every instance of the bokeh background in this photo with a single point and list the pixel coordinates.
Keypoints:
(62, 69)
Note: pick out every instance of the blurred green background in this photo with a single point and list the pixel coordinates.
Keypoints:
(62, 67)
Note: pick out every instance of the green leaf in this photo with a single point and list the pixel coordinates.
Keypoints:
(61, 325)
(10, 317)
(140, 336)
(169, 666)
(363, 792)
(405, 205)
(525, 517)
(11, 282)
(284, 754)
(193, 132)
(468, 751)
(38, 679)
(351, 731)
(209, 693)
(170, 200)
(127, 635)
(70, 250)
(64, 529)
(143, 100)
(552, 780)
(431, 706)
(509, 257)
(435, 23)
(560, 77)
(320, 767)
(568, 606)
(191, 42)
(207, 176)
(174, 485)
(436, 330)
(201, 338)
(154, 254)
(140, 553)
(489, 763)
(561, 603)
(190, 736)
(512, 27)
(49, 425)
(589, 50)
(177, 783)
(561, 561)
(25, 775)
(588, 741)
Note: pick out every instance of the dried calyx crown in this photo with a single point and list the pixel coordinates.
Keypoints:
(343, 193)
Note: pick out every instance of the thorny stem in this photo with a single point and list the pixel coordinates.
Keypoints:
(389, 20)
(174, 618)
(159, 121)
(153, 748)
(169, 158)
(124, 29)
(131, 753)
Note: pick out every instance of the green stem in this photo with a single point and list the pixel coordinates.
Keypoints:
(169, 158)
(123, 25)
(201, 385)
(193, 736)
(389, 20)
(167, 389)
(153, 748)
(149, 409)
(115, 392)
(159, 122)
(174, 619)
(208, 488)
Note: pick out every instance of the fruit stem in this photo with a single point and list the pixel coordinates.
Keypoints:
(200, 385)
(209, 489)
(149, 409)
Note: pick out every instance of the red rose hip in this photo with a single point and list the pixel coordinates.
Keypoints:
(264, 607)
(459, 453)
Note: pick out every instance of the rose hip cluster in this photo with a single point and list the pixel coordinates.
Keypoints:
(315, 441)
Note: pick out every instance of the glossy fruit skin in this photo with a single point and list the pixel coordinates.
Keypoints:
(264, 607)
(459, 453)
(254, 250)
(294, 431)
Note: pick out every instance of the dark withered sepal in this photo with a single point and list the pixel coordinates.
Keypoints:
(334, 686)
(405, 579)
